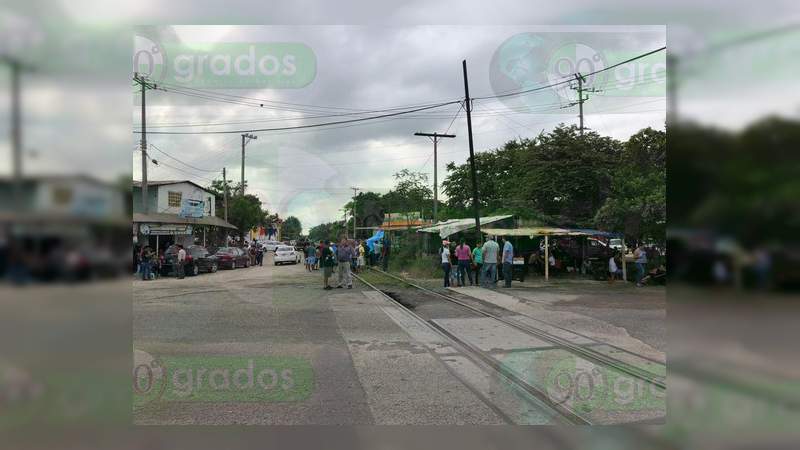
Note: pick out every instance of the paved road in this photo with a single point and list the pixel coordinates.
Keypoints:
(349, 362)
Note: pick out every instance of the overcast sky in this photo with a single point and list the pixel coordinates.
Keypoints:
(78, 111)
(308, 173)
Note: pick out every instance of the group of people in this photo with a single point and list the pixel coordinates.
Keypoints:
(148, 262)
(255, 251)
(348, 256)
(482, 261)
(615, 265)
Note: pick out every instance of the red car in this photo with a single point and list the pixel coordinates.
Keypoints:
(232, 257)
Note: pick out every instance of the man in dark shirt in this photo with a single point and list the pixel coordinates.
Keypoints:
(328, 261)
(387, 249)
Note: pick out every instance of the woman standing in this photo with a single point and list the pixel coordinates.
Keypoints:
(444, 252)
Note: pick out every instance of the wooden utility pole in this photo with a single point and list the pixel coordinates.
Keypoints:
(144, 85)
(225, 193)
(246, 137)
(475, 205)
(355, 193)
(435, 138)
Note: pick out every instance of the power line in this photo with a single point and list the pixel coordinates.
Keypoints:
(182, 162)
(318, 107)
(316, 125)
(570, 78)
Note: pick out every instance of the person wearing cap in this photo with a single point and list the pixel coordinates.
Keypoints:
(490, 252)
(444, 252)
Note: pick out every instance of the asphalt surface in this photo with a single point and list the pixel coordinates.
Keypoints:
(344, 356)
(365, 368)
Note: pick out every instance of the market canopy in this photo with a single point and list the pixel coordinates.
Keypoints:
(546, 231)
(453, 226)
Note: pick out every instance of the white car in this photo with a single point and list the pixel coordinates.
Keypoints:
(286, 255)
(270, 246)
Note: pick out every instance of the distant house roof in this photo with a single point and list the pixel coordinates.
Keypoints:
(168, 182)
(174, 218)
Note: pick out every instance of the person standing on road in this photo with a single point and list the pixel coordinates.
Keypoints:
(613, 270)
(145, 262)
(181, 261)
(508, 262)
(490, 252)
(477, 262)
(464, 255)
(444, 253)
(362, 253)
(344, 255)
(328, 261)
(387, 250)
(640, 255)
(259, 255)
(377, 248)
(311, 257)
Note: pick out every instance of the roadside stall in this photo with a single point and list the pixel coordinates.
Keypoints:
(587, 238)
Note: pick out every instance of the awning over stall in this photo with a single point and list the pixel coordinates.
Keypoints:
(547, 231)
(453, 226)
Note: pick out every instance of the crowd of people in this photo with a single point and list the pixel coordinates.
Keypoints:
(346, 257)
(479, 265)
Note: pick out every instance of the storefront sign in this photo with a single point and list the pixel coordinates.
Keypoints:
(192, 208)
(164, 229)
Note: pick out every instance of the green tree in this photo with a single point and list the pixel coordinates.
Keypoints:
(637, 201)
(411, 193)
(291, 228)
(245, 212)
(326, 231)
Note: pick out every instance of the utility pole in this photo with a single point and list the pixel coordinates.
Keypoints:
(225, 193)
(355, 193)
(476, 206)
(16, 127)
(144, 85)
(435, 138)
(246, 137)
(581, 79)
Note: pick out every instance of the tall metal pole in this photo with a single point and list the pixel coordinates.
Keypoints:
(225, 193)
(476, 206)
(580, 99)
(143, 143)
(242, 180)
(435, 138)
(435, 180)
(355, 193)
(245, 138)
(16, 133)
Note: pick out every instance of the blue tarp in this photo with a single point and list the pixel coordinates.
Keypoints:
(371, 241)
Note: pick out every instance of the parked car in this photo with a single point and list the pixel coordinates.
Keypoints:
(198, 260)
(287, 255)
(270, 246)
(232, 257)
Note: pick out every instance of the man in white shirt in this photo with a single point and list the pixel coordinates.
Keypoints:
(181, 261)
(490, 251)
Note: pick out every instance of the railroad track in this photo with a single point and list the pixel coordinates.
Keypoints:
(582, 351)
(561, 412)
